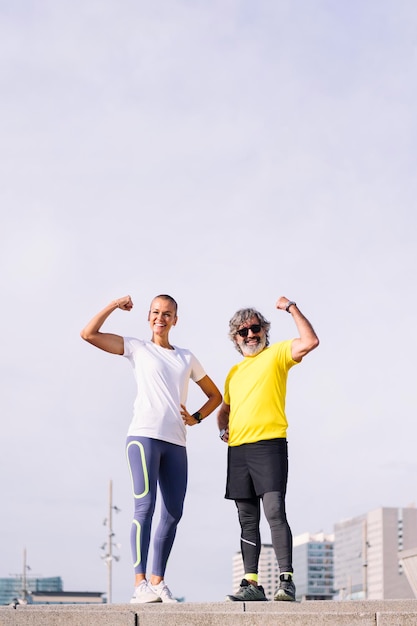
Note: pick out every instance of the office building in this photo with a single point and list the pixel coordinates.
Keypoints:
(313, 566)
(366, 549)
(67, 597)
(16, 587)
(43, 591)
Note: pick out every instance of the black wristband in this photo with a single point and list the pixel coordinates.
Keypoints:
(287, 308)
(197, 416)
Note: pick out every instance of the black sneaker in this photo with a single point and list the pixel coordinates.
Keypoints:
(248, 593)
(286, 589)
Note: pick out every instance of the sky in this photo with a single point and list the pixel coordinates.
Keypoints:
(227, 153)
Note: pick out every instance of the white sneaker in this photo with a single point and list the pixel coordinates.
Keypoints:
(143, 593)
(163, 592)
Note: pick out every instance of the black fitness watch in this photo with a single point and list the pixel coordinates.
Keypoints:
(197, 416)
(290, 303)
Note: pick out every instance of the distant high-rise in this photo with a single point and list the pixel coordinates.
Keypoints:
(39, 590)
(17, 587)
(366, 564)
(361, 560)
(313, 566)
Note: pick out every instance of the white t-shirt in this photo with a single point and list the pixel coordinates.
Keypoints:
(162, 377)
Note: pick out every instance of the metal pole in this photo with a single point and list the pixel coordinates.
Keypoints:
(24, 590)
(365, 559)
(110, 545)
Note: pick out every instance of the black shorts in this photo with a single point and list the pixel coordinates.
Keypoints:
(257, 468)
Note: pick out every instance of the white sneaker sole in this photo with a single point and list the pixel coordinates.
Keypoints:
(145, 600)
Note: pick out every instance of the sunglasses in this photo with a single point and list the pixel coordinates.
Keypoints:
(243, 332)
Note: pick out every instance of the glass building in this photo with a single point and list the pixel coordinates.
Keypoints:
(12, 588)
(313, 566)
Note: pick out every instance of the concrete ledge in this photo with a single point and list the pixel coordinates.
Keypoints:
(396, 619)
(323, 613)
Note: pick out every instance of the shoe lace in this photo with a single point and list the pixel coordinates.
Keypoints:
(165, 591)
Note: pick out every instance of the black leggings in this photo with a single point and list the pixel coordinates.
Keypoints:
(249, 511)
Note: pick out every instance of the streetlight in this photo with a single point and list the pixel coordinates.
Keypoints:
(109, 544)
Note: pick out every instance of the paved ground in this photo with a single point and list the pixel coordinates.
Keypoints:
(370, 613)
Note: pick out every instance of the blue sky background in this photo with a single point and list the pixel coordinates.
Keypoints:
(227, 153)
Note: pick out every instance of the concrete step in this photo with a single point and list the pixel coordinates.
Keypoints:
(323, 613)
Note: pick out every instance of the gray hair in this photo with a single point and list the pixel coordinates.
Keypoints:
(242, 316)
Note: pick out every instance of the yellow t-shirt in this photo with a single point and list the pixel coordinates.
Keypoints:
(255, 389)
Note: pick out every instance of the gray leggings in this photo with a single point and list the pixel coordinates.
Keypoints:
(249, 511)
(151, 463)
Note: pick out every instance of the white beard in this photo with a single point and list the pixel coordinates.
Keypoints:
(253, 350)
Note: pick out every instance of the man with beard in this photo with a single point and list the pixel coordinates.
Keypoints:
(252, 421)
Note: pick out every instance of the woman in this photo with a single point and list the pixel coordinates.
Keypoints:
(156, 437)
